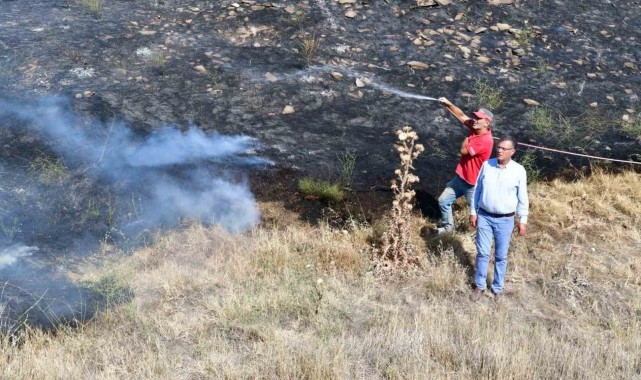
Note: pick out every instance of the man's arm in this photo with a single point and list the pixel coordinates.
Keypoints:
(454, 110)
(522, 208)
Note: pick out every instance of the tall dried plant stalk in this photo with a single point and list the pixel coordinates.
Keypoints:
(396, 245)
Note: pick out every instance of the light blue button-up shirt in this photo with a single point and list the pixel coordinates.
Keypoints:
(502, 190)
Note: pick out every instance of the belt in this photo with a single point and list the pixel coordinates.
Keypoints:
(493, 215)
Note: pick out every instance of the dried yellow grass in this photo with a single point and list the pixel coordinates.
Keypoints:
(299, 301)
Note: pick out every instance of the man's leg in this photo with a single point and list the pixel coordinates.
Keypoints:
(502, 236)
(469, 196)
(483, 249)
(445, 201)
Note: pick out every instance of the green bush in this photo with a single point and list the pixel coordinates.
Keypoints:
(487, 96)
(323, 190)
(542, 120)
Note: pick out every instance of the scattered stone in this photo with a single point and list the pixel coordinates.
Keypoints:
(594, 104)
(480, 30)
(610, 98)
(466, 51)
(531, 102)
(360, 83)
(350, 14)
(625, 118)
(188, 21)
(630, 65)
(78, 96)
(146, 32)
(483, 59)
(500, 2)
(519, 52)
(449, 78)
(271, 77)
(501, 27)
(287, 110)
(591, 75)
(346, 1)
(88, 94)
(336, 75)
(200, 69)
(425, 3)
(417, 65)
(290, 9)
(443, 2)
(629, 91)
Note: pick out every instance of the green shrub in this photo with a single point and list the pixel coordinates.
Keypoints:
(486, 95)
(94, 6)
(632, 128)
(542, 120)
(323, 190)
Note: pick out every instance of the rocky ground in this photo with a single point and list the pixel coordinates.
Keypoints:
(315, 80)
(242, 67)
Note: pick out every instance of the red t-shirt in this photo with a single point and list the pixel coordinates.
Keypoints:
(479, 148)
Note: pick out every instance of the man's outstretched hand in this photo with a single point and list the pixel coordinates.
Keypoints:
(444, 101)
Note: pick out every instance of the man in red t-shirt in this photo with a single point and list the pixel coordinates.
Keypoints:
(475, 150)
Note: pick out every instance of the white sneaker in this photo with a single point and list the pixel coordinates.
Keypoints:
(443, 230)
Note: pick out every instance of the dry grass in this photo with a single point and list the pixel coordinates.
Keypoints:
(299, 301)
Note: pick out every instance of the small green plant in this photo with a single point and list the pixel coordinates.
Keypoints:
(486, 95)
(525, 37)
(396, 246)
(49, 170)
(541, 119)
(347, 163)
(320, 189)
(298, 16)
(94, 6)
(158, 60)
(309, 46)
(111, 288)
(632, 128)
(528, 160)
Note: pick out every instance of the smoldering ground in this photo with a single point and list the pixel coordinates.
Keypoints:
(69, 183)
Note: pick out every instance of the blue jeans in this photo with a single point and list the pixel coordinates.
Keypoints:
(500, 229)
(454, 189)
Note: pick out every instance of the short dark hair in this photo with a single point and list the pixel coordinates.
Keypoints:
(510, 139)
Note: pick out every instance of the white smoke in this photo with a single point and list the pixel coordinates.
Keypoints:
(9, 255)
(175, 170)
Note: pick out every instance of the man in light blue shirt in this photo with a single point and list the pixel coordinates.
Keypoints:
(501, 189)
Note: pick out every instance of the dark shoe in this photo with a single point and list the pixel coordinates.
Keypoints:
(476, 294)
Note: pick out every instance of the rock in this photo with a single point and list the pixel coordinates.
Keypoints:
(200, 69)
(417, 65)
(290, 9)
(466, 51)
(87, 94)
(350, 14)
(483, 59)
(78, 96)
(346, 1)
(594, 104)
(145, 32)
(443, 2)
(501, 27)
(610, 98)
(449, 78)
(480, 30)
(519, 52)
(500, 2)
(625, 117)
(425, 3)
(629, 91)
(360, 83)
(531, 102)
(271, 77)
(336, 75)
(288, 109)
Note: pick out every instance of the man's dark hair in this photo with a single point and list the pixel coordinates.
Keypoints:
(508, 138)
